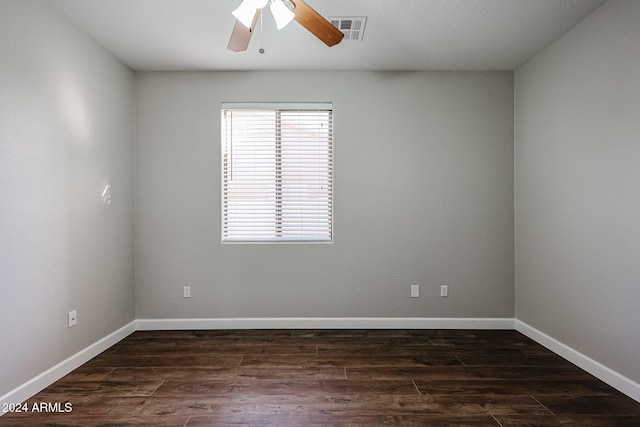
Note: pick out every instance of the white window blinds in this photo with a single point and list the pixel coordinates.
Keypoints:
(277, 173)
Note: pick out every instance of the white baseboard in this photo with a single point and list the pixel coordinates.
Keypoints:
(35, 385)
(48, 377)
(326, 323)
(609, 376)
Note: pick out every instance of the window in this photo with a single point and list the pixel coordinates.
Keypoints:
(277, 172)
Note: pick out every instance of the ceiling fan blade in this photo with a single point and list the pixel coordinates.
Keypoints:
(241, 35)
(316, 24)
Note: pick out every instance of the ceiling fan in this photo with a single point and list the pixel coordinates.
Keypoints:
(283, 11)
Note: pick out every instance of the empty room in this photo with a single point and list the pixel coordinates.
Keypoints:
(320, 212)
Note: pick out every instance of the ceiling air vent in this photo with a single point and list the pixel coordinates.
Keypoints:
(351, 26)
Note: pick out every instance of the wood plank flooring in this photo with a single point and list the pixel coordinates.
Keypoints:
(329, 377)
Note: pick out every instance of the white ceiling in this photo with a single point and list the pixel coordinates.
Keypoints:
(399, 35)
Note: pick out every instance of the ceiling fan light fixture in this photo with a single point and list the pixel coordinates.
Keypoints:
(245, 12)
(281, 13)
(259, 4)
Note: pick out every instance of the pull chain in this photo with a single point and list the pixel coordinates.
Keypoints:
(261, 50)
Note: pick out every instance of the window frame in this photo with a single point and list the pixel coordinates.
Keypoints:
(277, 108)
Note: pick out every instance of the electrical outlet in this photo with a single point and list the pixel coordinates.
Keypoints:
(72, 318)
(415, 291)
(187, 291)
(444, 291)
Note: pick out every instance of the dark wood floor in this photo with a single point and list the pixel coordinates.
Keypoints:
(330, 377)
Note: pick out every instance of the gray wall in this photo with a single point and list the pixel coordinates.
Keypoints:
(577, 185)
(66, 128)
(423, 195)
